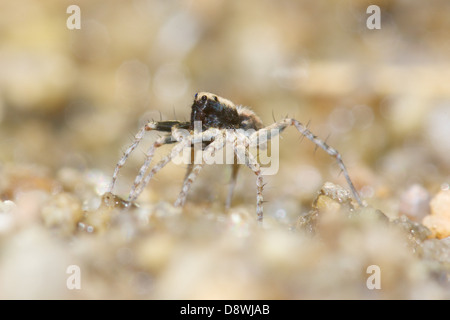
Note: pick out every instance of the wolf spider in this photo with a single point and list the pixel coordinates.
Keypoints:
(217, 115)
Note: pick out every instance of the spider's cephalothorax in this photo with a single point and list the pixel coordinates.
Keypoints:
(216, 112)
(216, 115)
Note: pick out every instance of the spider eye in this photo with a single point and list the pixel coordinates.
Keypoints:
(216, 99)
(195, 97)
(204, 98)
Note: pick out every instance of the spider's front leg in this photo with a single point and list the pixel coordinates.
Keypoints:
(148, 159)
(283, 124)
(241, 150)
(164, 126)
(194, 169)
(185, 139)
(142, 180)
(234, 173)
(137, 139)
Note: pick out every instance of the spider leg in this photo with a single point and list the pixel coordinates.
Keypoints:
(148, 159)
(168, 125)
(190, 164)
(234, 173)
(191, 175)
(152, 125)
(137, 139)
(161, 164)
(283, 124)
(190, 168)
(183, 142)
(190, 178)
(241, 151)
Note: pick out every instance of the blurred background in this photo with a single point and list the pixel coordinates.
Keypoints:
(73, 99)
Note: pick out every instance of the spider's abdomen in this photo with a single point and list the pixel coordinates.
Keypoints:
(248, 119)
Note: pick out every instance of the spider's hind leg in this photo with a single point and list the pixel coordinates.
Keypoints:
(283, 124)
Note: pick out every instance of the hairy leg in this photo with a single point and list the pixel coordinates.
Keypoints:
(190, 166)
(191, 175)
(137, 139)
(148, 159)
(279, 126)
(161, 164)
(180, 202)
(165, 126)
(241, 151)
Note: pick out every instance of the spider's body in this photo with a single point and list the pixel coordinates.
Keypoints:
(213, 112)
(216, 116)
(217, 112)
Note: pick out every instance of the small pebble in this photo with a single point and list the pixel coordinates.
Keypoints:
(6, 215)
(414, 202)
(439, 219)
(62, 211)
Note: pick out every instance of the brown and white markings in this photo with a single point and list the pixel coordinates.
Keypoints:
(216, 116)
